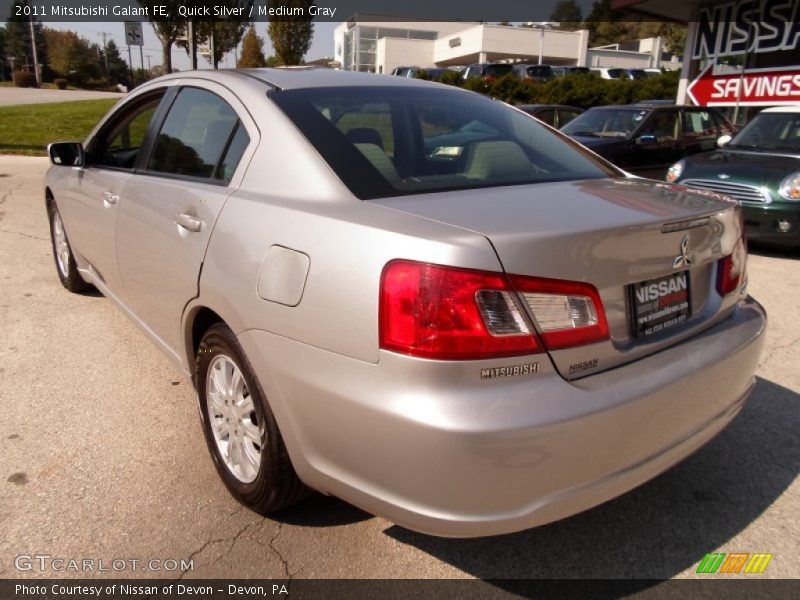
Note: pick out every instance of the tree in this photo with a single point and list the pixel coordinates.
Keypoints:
(117, 67)
(72, 56)
(227, 35)
(252, 51)
(605, 26)
(18, 39)
(291, 36)
(567, 14)
(674, 35)
(168, 29)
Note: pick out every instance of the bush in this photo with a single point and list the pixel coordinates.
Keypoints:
(61, 83)
(24, 79)
(97, 84)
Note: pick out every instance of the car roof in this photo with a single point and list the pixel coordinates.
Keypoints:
(296, 78)
(287, 79)
(546, 106)
(795, 108)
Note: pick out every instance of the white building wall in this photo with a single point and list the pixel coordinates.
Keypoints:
(508, 43)
(601, 57)
(397, 52)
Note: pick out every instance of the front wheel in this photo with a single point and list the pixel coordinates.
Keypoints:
(240, 429)
(62, 253)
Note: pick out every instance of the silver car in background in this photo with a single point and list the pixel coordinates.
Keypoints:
(407, 295)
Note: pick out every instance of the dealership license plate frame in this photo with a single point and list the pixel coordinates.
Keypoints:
(639, 310)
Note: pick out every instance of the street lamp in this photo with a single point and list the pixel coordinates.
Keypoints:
(542, 26)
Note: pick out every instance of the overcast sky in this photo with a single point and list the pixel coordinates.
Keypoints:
(321, 45)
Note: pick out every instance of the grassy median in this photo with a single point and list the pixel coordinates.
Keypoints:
(27, 129)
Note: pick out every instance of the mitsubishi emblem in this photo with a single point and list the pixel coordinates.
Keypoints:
(685, 258)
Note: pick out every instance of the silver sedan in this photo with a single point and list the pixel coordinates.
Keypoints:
(407, 295)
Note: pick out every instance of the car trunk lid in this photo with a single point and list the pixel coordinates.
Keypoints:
(613, 234)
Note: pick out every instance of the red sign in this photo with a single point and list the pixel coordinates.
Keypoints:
(759, 87)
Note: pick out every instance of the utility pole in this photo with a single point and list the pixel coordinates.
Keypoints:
(149, 68)
(211, 46)
(36, 69)
(105, 34)
(192, 46)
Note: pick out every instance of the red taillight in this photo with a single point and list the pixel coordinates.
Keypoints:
(567, 313)
(731, 269)
(446, 313)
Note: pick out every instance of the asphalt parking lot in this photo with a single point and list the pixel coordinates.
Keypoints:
(103, 457)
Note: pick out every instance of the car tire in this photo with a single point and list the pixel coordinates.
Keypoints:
(66, 266)
(233, 407)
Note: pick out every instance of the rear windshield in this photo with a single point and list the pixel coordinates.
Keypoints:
(617, 73)
(390, 141)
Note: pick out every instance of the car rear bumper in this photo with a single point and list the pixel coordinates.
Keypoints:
(762, 224)
(436, 449)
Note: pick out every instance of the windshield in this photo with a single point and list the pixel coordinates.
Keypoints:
(770, 131)
(615, 122)
(390, 141)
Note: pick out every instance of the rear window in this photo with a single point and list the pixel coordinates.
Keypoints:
(385, 142)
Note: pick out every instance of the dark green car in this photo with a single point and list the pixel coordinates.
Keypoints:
(760, 168)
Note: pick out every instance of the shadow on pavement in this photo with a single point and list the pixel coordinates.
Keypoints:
(662, 527)
(321, 511)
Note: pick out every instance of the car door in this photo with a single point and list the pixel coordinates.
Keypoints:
(172, 202)
(97, 190)
(656, 143)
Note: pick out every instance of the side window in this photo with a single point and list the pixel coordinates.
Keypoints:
(698, 124)
(119, 144)
(233, 154)
(664, 125)
(723, 128)
(565, 116)
(547, 116)
(194, 134)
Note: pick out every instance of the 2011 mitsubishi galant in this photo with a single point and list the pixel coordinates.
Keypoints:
(469, 338)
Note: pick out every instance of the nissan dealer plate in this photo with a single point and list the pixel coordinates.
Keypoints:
(659, 304)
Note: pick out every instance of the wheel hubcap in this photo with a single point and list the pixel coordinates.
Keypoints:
(61, 246)
(237, 432)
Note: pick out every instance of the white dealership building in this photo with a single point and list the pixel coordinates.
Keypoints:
(364, 43)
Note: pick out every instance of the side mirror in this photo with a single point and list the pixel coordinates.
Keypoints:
(724, 140)
(66, 154)
(646, 138)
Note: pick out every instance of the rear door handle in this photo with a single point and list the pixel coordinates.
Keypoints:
(110, 199)
(188, 222)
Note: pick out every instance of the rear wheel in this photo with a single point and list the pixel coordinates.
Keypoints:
(240, 429)
(62, 253)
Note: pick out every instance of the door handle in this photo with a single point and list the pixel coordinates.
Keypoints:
(188, 222)
(110, 199)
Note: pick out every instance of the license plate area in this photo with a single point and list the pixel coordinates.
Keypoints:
(659, 304)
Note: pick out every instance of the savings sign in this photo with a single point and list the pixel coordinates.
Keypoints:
(756, 87)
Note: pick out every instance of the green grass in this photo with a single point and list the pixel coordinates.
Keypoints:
(27, 129)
